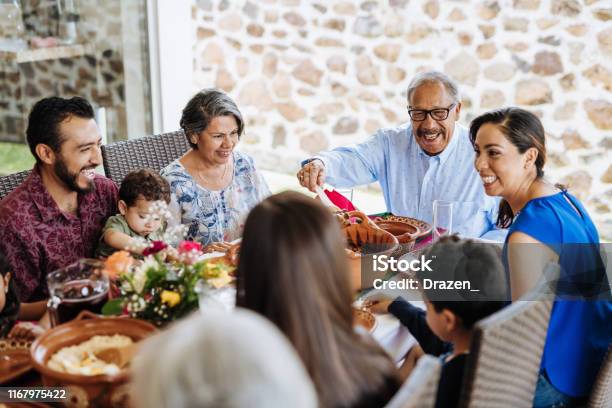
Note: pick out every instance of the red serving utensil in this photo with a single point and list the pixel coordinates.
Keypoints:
(339, 200)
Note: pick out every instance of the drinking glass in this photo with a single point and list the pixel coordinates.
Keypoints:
(76, 287)
(442, 218)
(215, 298)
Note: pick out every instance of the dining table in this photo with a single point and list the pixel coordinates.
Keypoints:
(387, 330)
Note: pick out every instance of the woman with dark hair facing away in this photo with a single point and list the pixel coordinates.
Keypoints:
(213, 186)
(293, 270)
(547, 224)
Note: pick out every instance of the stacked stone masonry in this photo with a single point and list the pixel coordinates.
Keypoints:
(96, 73)
(312, 75)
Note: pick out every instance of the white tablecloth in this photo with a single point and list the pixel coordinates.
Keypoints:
(389, 332)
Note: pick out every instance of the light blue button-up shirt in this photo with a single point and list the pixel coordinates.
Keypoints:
(411, 180)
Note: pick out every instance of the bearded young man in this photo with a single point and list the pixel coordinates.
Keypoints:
(55, 216)
(429, 158)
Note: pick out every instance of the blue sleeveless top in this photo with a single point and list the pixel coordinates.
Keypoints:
(579, 331)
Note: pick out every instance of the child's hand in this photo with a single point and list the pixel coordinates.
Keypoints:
(379, 306)
(25, 331)
(378, 303)
(410, 361)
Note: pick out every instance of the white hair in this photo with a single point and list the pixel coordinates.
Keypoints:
(221, 359)
(428, 77)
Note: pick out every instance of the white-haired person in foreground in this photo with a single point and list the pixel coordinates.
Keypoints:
(221, 359)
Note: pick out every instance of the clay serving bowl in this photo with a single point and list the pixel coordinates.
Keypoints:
(365, 237)
(406, 234)
(84, 390)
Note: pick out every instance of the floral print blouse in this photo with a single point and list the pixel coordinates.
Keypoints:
(214, 216)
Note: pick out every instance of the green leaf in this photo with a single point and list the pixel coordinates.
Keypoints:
(113, 307)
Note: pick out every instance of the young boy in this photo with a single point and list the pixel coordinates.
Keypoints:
(138, 222)
(446, 328)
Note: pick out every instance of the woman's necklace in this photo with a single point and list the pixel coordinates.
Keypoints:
(208, 180)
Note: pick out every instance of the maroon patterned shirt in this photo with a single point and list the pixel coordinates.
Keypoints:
(37, 238)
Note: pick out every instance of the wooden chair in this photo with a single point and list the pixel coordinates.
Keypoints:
(504, 362)
(154, 152)
(10, 182)
(601, 395)
(420, 389)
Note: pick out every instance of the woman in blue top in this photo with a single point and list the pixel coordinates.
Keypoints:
(213, 187)
(510, 156)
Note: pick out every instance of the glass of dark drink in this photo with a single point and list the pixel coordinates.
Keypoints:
(76, 287)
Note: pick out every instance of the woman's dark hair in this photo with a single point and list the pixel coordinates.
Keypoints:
(293, 270)
(203, 108)
(8, 315)
(524, 130)
(46, 116)
(454, 259)
(146, 183)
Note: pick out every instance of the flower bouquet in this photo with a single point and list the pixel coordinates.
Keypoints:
(161, 287)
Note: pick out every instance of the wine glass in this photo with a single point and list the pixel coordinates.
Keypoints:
(442, 218)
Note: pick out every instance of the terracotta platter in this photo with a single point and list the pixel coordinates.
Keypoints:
(364, 319)
(423, 227)
(14, 359)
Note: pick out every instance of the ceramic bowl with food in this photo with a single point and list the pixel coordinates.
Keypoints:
(100, 386)
(365, 237)
(365, 319)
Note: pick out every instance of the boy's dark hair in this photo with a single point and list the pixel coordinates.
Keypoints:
(144, 183)
(8, 315)
(46, 116)
(4, 265)
(454, 259)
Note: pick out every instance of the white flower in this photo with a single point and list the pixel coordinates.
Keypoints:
(140, 278)
(126, 286)
(140, 273)
(175, 234)
(140, 305)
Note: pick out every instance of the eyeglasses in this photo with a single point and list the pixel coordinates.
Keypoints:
(419, 115)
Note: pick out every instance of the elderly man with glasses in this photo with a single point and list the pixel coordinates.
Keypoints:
(430, 158)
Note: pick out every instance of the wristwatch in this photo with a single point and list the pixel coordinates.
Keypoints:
(305, 162)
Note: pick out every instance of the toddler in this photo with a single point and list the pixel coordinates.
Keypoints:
(138, 222)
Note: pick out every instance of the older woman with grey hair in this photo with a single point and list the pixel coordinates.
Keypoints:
(218, 360)
(213, 186)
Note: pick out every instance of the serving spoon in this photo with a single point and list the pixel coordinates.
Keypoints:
(120, 356)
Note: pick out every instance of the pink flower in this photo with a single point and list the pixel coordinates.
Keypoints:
(189, 246)
(155, 247)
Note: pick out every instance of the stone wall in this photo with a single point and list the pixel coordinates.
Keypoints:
(96, 73)
(312, 75)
